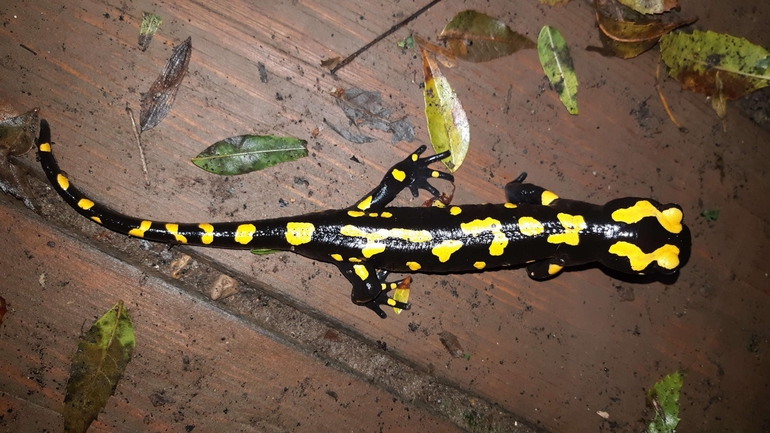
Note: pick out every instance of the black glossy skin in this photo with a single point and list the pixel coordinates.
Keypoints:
(369, 236)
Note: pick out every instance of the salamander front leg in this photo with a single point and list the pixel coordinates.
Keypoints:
(369, 289)
(545, 269)
(516, 191)
(412, 173)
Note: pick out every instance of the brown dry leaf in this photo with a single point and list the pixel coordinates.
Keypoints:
(18, 133)
(157, 102)
(650, 6)
(627, 33)
(444, 56)
(477, 37)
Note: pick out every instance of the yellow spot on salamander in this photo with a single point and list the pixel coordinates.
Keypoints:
(85, 204)
(174, 230)
(356, 213)
(454, 210)
(479, 265)
(245, 233)
(354, 260)
(667, 256)
(299, 233)
(445, 249)
(386, 214)
(365, 203)
(554, 269)
(434, 174)
(510, 206)
(670, 219)
(63, 182)
(97, 219)
(337, 257)
(373, 215)
(477, 227)
(548, 197)
(413, 266)
(139, 231)
(208, 233)
(415, 157)
(372, 248)
(361, 271)
(398, 175)
(529, 226)
(45, 147)
(572, 224)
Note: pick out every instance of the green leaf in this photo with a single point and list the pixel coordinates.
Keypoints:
(407, 43)
(247, 153)
(102, 356)
(447, 123)
(150, 25)
(664, 398)
(710, 214)
(477, 37)
(715, 64)
(262, 251)
(650, 6)
(557, 64)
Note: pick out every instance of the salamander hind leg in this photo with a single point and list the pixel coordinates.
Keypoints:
(545, 269)
(516, 191)
(369, 288)
(412, 173)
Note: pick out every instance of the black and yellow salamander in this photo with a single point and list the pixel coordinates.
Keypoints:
(365, 241)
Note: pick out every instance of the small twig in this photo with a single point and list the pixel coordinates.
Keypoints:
(139, 145)
(663, 100)
(406, 21)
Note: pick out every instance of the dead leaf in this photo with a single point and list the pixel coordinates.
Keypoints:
(150, 25)
(365, 108)
(102, 356)
(628, 33)
(650, 6)
(451, 344)
(157, 102)
(17, 137)
(477, 37)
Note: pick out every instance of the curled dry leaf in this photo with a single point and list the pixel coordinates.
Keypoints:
(715, 64)
(17, 137)
(451, 343)
(102, 355)
(224, 286)
(447, 123)
(247, 153)
(627, 33)
(401, 293)
(157, 102)
(558, 67)
(477, 37)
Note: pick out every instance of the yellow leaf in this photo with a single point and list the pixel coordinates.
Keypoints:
(447, 123)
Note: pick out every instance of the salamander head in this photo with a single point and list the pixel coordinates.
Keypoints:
(651, 237)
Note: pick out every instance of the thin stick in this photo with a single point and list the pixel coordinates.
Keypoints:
(406, 21)
(139, 145)
(663, 100)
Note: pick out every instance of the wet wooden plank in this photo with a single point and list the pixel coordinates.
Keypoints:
(554, 352)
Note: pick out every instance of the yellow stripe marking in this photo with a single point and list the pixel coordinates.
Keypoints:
(529, 226)
(63, 182)
(299, 233)
(356, 213)
(139, 231)
(85, 204)
(554, 269)
(479, 265)
(670, 219)
(245, 233)
(372, 248)
(365, 203)
(454, 210)
(572, 224)
(445, 249)
(510, 206)
(414, 266)
(667, 256)
(398, 175)
(477, 227)
(548, 197)
(337, 257)
(97, 219)
(361, 271)
(174, 230)
(208, 233)
(45, 147)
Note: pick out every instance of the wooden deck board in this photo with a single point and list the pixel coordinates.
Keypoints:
(552, 353)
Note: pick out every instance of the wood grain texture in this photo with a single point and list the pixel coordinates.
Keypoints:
(553, 353)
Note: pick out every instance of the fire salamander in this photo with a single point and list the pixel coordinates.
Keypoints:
(365, 241)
